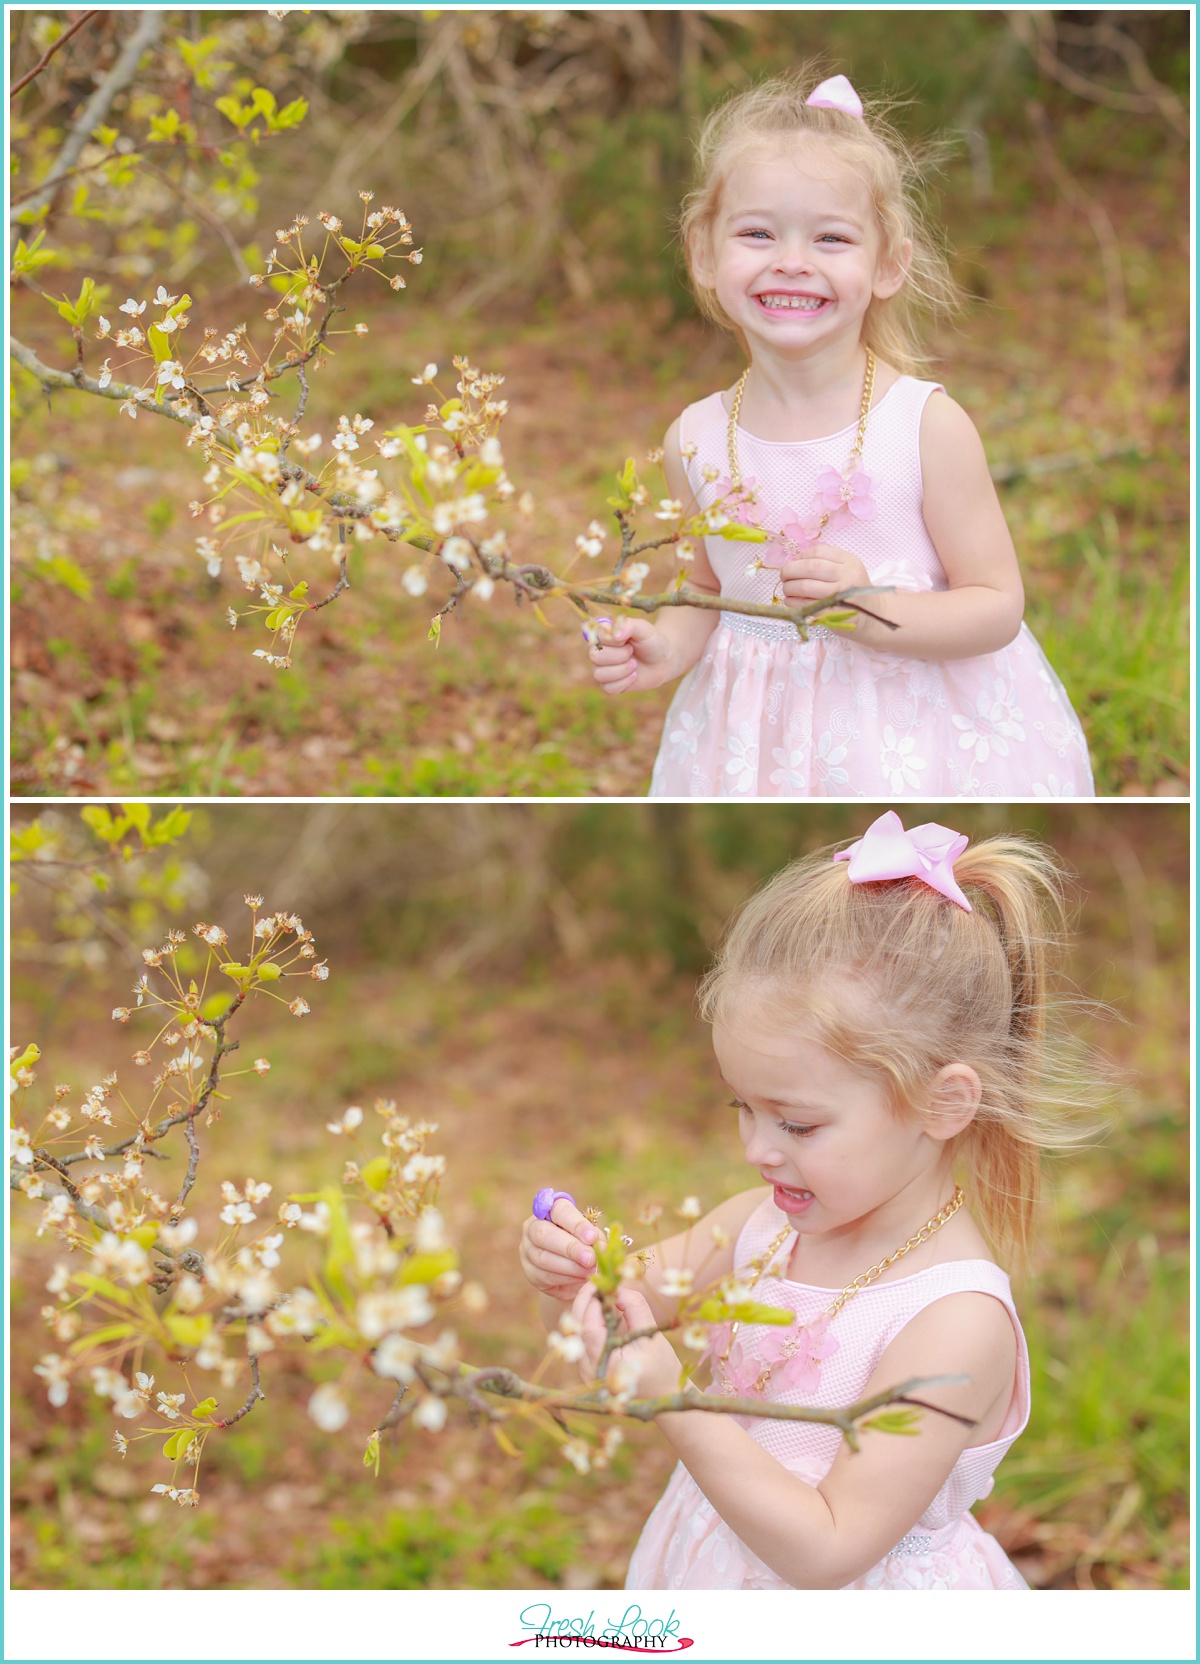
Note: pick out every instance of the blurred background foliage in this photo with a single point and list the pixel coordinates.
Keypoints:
(542, 156)
(525, 976)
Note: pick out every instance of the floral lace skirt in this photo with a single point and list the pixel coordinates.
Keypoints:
(686, 1545)
(764, 714)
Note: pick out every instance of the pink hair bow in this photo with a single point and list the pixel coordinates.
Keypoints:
(928, 852)
(836, 94)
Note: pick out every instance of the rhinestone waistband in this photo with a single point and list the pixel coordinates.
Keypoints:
(770, 629)
(915, 1542)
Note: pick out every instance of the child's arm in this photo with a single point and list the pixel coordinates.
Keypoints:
(557, 1258)
(639, 654)
(981, 611)
(824, 1536)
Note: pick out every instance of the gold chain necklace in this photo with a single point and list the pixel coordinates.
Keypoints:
(863, 1280)
(735, 471)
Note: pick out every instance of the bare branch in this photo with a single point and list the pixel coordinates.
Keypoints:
(213, 221)
(256, 1393)
(49, 53)
(147, 34)
(395, 1414)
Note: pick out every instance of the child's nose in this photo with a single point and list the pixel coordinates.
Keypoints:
(760, 1151)
(792, 258)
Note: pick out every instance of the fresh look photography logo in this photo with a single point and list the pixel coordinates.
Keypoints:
(633, 1631)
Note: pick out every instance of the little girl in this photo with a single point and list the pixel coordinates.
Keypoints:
(804, 239)
(880, 1019)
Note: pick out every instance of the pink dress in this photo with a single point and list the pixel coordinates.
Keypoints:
(686, 1545)
(764, 714)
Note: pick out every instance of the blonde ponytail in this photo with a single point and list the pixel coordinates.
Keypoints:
(900, 982)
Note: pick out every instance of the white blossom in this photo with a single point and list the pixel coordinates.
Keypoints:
(328, 1408)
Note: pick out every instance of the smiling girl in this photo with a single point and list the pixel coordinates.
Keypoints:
(804, 239)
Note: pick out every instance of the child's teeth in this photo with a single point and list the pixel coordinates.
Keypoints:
(802, 303)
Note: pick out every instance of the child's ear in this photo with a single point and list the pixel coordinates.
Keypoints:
(699, 253)
(891, 275)
(954, 1098)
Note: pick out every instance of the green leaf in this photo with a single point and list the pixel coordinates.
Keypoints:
(375, 1173)
(426, 1268)
(97, 1337)
(214, 1006)
(292, 114)
(136, 815)
(374, 251)
(101, 823)
(177, 1444)
(187, 1329)
(160, 344)
(435, 631)
(168, 829)
(100, 1285)
(164, 128)
(734, 533)
(31, 259)
(895, 1421)
(339, 1255)
(205, 1407)
(232, 110)
(76, 312)
(262, 98)
(716, 1310)
(610, 1256)
(371, 1454)
(275, 619)
(300, 591)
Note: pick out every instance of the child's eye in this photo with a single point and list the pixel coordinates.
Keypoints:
(831, 237)
(795, 1130)
(755, 231)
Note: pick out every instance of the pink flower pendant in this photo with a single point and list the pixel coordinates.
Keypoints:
(849, 492)
(800, 1371)
(792, 539)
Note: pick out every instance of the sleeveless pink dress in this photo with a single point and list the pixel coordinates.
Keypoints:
(764, 714)
(686, 1545)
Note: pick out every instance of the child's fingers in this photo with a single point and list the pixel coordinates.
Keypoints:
(567, 1216)
(623, 686)
(808, 589)
(606, 674)
(620, 653)
(558, 1268)
(547, 1242)
(585, 1309)
(635, 1308)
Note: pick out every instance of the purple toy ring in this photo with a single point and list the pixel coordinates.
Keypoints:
(545, 1200)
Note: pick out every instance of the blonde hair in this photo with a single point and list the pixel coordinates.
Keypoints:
(776, 111)
(900, 982)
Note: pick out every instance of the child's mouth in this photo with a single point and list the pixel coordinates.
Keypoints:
(792, 1201)
(791, 303)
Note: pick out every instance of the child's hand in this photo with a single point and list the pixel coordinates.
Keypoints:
(821, 571)
(654, 1361)
(632, 653)
(556, 1253)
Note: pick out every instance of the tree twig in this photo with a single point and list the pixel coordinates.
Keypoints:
(147, 34)
(256, 1393)
(49, 53)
